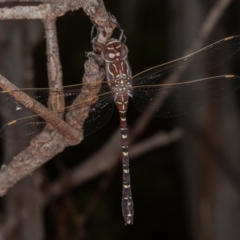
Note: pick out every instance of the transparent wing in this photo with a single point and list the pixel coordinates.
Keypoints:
(172, 100)
(99, 114)
(69, 93)
(192, 66)
(27, 127)
(23, 129)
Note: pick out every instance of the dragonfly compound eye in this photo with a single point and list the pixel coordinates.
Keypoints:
(114, 50)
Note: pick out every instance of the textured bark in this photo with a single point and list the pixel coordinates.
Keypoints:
(24, 203)
(49, 143)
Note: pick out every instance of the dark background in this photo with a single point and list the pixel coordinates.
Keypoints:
(188, 189)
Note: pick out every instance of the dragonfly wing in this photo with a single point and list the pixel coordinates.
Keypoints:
(23, 129)
(69, 93)
(192, 66)
(27, 124)
(9, 104)
(100, 112)
(171, 100)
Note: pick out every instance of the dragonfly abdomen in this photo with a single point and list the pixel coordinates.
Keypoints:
(127, 202)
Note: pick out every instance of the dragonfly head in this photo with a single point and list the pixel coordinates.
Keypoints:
(114, 50)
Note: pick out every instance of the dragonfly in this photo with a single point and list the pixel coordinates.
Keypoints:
(192, 90)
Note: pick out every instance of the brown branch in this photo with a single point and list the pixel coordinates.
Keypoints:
(54, 68)
(53, 9)
(53, 59)
(36, 1)
(38, 108)
(42, 11)
(49, 143)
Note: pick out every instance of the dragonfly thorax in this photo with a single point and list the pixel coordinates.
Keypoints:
(118, 72)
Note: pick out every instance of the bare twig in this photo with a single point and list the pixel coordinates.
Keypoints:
(53, 60)
(36, 1)
(45, 146)
(43, 11)
(54, 68)
(38, 108)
